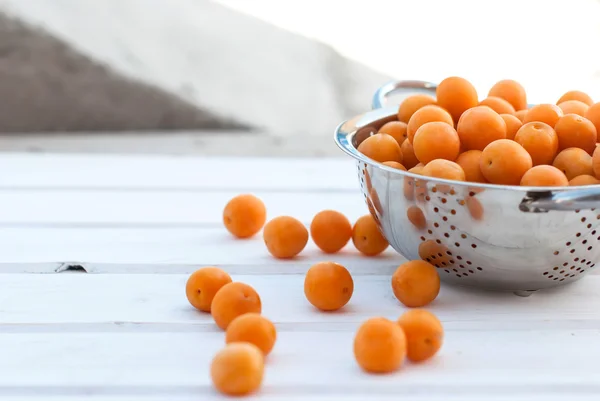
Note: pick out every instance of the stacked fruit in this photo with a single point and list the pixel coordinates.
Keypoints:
(497, 140)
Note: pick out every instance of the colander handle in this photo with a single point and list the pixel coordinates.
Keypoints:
(380, 97)
(578, 199)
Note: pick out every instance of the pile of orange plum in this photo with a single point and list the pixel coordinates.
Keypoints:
(380, 344)
(499, 139)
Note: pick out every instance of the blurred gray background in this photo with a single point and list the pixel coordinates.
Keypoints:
(262, 77)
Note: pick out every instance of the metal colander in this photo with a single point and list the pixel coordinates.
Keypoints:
(511, 238)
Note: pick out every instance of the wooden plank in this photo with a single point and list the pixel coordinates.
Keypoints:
(119, 250)
(142, 172)
(157, 208)
(134, 336)
(166, 251)
(176, 143)
(155, 303)
(471, 364)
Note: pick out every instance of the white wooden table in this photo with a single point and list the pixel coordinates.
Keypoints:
(125, 331)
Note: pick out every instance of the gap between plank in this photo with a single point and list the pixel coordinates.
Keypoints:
(481, 389)
(544, 323)
(234, 191)
(275, 269)
(288, 268)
